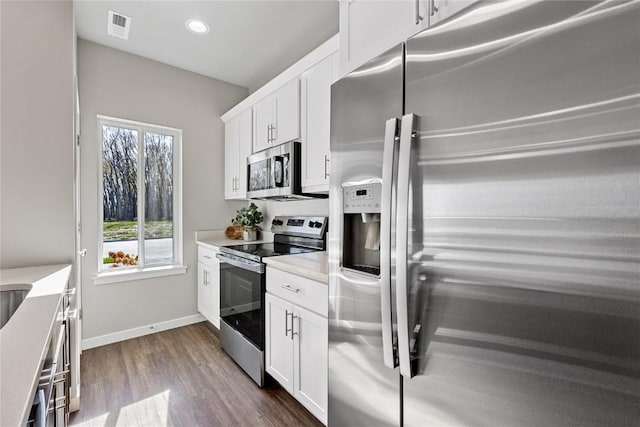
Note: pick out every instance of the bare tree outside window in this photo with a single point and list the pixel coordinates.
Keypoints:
(137, 196)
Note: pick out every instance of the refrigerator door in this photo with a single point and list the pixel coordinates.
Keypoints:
(364, 107)
(523, 227)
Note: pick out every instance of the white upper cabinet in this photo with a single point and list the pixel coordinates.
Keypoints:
(237, 146)
(230, 158)
(315, 120)
(273, 115)
(277, 117)
(263, 122)
(442, 9)
(370, 27)
(287, 126)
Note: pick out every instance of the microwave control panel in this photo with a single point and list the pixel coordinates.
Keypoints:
(362, 198)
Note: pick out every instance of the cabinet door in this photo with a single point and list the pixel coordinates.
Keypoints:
(287, 125)
(231, 129)
(245, 140)
(443, 9)
(278, 342)
(310, 361)
(316, 117)
(263, 120)
(204, 291)
(213, 276)
(370, 27)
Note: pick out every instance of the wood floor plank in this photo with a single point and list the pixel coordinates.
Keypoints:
(179, 377)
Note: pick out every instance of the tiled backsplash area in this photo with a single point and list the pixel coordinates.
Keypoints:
(270, 209)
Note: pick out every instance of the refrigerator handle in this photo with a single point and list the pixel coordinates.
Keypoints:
(390, 135)
(402, 233)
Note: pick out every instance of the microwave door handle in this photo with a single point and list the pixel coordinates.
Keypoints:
(402, 234)
(270, 175)
(388, 183)
(278, 175)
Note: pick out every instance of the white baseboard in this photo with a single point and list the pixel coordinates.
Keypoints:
(74, 404)
(141, 331)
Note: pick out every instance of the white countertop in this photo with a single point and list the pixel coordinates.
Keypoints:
(215, 239)
(25, 338)
(312, 265)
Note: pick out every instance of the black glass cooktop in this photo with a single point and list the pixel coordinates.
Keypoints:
(258, 251)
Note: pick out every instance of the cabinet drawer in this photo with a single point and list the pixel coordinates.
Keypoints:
(207, 256)
(301, 291)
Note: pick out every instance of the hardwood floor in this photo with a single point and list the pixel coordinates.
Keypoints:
(179, 377)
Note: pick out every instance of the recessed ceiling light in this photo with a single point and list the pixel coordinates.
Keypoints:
(197, 26)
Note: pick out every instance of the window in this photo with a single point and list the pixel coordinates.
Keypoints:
(141, 196)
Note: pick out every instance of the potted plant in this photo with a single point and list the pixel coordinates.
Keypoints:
(248, 218)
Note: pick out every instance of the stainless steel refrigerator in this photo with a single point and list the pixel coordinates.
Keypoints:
(484, 242)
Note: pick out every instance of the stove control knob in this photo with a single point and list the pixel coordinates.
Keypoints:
(276, 222)
(318, 224)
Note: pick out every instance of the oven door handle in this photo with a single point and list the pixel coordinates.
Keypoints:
(245, 264)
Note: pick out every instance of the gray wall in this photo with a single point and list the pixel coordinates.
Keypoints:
(118, 84)
(37, 108)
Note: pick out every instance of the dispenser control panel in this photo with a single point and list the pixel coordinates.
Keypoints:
(362, 198)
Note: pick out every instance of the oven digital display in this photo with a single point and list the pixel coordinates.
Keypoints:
(295, 222)
(361, 192)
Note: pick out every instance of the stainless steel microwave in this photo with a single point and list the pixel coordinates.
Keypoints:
(275, 174)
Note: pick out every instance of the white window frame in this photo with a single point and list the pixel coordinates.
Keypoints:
(122, 274)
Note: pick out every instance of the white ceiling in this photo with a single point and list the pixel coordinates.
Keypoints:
(250, 42)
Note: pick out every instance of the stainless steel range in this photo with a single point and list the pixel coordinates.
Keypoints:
(242, 286)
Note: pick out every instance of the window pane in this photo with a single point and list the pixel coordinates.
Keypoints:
(158, 194)
(120, 196)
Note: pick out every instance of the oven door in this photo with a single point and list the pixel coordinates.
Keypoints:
(242, 289)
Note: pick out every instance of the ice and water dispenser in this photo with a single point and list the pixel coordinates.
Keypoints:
(361, 222)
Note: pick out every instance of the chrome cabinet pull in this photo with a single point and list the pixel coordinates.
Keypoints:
(417, 12)
(291, 288)
(286, 324)
(292, 332)
(326, 160)
(434, 8)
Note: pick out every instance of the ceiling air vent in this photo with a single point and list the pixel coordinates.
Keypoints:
(118, 25)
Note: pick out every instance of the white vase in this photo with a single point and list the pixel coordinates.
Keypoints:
(250, 235)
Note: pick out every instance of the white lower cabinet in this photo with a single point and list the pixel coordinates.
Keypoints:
(279, 342)
(297, 341)
(310, 374)
(209, 285)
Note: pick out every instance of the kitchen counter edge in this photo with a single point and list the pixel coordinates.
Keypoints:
(311, 265)
(24, 340)
(216, 238)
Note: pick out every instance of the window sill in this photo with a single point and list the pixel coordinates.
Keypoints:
(123, 275)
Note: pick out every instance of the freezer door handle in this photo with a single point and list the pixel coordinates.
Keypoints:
(386, 217)
(402, 235)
